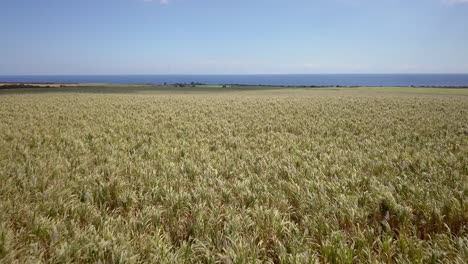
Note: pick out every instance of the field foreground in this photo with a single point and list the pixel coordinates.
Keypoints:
(374, 175)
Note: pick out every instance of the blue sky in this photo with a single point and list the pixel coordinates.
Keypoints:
(233, 36)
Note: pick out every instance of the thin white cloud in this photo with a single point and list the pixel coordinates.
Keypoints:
(162, 2)
(453, 2)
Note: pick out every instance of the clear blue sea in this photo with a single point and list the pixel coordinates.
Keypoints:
(263, 79)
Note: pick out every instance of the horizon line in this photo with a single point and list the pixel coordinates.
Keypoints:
(221, 74)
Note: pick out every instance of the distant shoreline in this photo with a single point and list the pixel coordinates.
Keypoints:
(36, 85)
(280, 80)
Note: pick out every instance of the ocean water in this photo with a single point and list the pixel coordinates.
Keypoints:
(263, 79)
